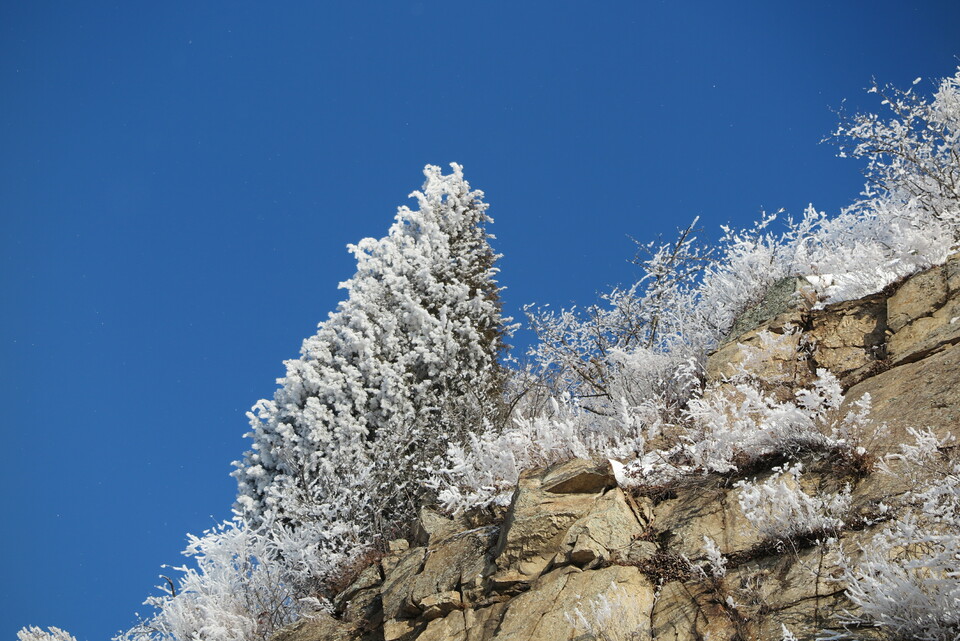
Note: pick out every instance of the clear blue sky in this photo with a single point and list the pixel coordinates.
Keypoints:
(178, 181)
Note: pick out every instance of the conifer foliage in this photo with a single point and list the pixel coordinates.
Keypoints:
(406, 362)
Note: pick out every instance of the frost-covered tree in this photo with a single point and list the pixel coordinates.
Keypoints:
(407, 363)
(913, 154)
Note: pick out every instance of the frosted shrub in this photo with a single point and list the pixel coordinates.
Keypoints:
(715, 558)
(780, 509)
(744, 422)
(33, 633)
(736, 423)
(629, 350)
(787, 634)
(485, 470)
(238, 589)
(907, 580)
(864, 249)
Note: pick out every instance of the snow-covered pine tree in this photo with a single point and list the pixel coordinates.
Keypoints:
(408, 362)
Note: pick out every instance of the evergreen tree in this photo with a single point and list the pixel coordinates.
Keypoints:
(408, 362)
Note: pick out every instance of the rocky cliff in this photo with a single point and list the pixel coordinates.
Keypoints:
(577, 557)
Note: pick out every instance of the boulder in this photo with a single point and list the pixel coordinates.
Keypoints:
(465, 625)
(454, 564)
(432, 527)
(924, 313)
(482, 623)
(801, 589)
(539, 517)
(778, 581)
(441, 604)
(399, 629)
(915, 395)
(578, 476)
(452, 627)
(846, 338)
(364, 607)
(395, 550)
(368, 578)
(922, 394)
(638, 552)
(547, 611)
(606, 531)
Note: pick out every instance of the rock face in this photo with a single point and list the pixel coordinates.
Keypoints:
(853, 339)
(577, 558)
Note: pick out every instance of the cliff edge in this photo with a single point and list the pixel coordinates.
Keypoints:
(580, 554)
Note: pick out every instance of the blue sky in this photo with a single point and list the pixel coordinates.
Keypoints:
(178, 182)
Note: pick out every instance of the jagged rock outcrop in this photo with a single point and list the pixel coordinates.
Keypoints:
(573, 544)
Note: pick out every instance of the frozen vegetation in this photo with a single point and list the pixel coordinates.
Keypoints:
(404, 396)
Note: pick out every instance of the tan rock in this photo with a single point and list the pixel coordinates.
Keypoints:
(441, 604)
(802, 589)
(953, 272)
(692, 612)
(705, 510)
(783, 580)
(578, 476)
(320, 627)
(925, 313)
(396, 585)
(927, 334)
(917, 297)
(848, 338)
(915, 395)
(452, 627)
(482, 623)
(921, 394)
(398, 546)
(395, 630)
(363, 607)
(455, 563)
(771, 352)
(537, 523)
(544, 612)
(432, 527)
(367, 578)
(638, 552)
(606, 531)
(465, 625)
(395, 551)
